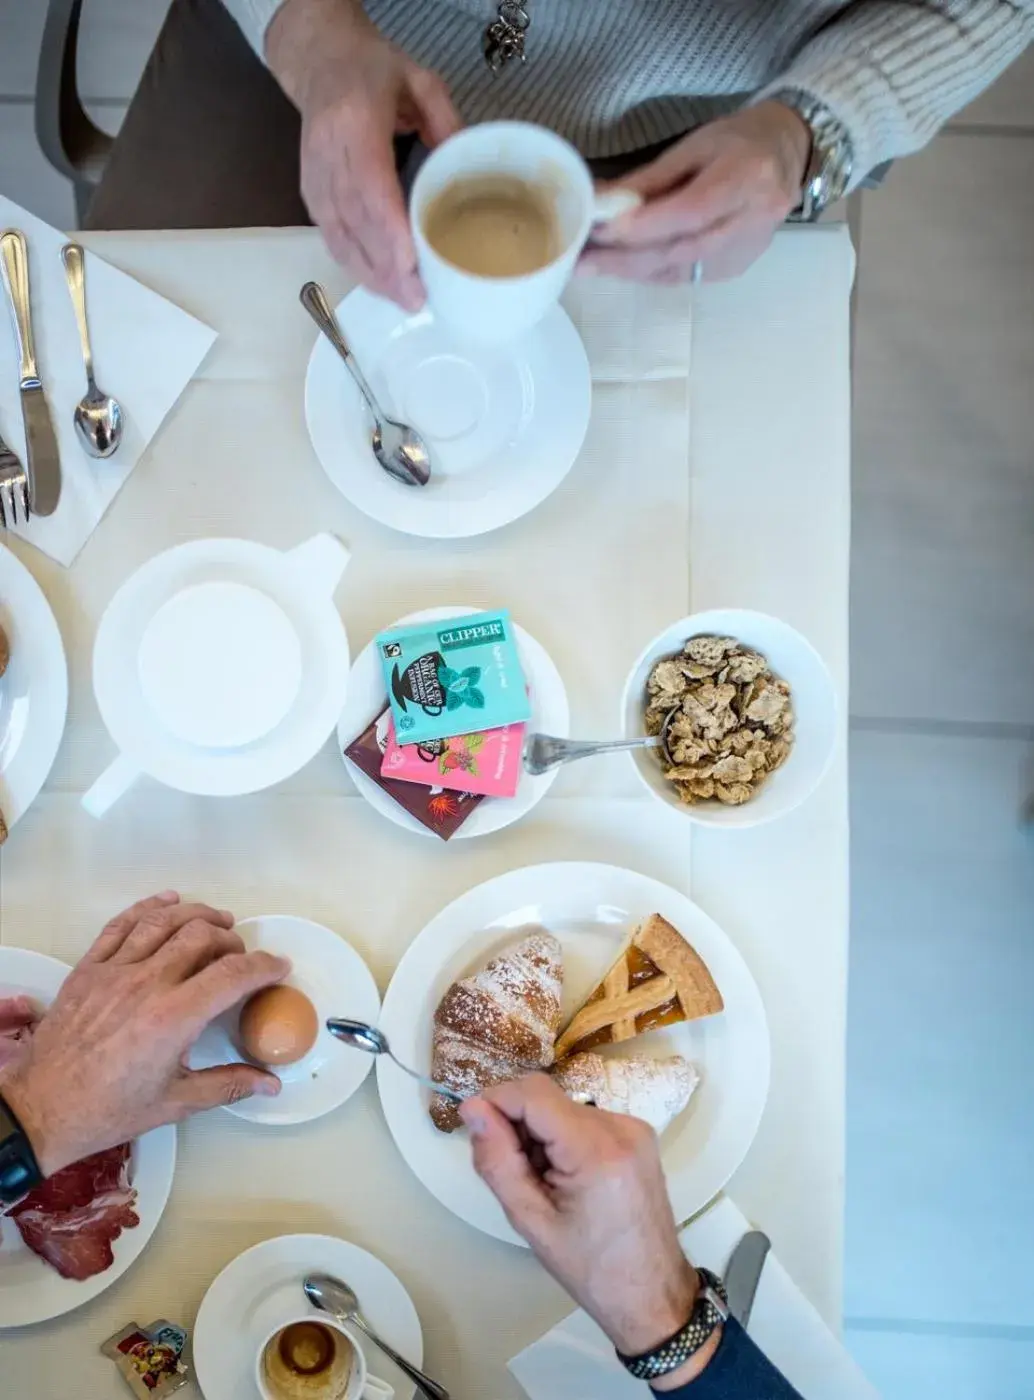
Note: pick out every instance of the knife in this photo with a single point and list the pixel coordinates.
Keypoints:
(743, 1274)
(41, 455)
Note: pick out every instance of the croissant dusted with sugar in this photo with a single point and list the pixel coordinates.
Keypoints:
(499, 1023)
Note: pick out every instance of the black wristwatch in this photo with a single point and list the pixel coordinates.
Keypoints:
(709, 1312)
(19, 1170)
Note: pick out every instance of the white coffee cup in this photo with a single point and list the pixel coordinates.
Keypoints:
(494, 310)
(357, 1385)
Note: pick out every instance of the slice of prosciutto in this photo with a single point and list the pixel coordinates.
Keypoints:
(72, 1219)
(75, 1217)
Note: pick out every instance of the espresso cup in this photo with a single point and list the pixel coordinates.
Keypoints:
(494, 309)
(294, 1363)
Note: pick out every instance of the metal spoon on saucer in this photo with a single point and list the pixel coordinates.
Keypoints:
(364, 1037)
(332, 1295)
(399, 448)
(98, 417)
(543, 752)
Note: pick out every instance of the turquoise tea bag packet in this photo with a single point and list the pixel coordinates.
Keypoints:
(454, 676)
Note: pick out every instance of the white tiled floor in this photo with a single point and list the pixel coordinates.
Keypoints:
(944, 437)
(940, 1194)
(940, 1142)
(942, 1366)
(24, 174)
(940, 1134)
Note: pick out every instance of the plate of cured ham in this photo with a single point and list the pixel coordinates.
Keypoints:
(72, 1237)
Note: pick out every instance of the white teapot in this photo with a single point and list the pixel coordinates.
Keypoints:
(220, 667)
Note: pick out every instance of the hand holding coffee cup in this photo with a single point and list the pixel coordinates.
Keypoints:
(311, 1357)
(500, 214)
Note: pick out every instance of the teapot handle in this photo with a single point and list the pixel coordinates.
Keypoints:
(321, 561)
(117, 778)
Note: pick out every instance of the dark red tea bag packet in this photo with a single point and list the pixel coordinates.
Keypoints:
(440, 811)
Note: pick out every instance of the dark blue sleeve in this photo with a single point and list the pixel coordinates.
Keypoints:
(737, 1371)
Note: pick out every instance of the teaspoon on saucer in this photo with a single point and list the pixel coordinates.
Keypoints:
(98, 417)
(361, 1036)
(399, 448)
(332, 1295)
(543, 752)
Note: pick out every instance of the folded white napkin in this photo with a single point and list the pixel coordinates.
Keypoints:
(145, 352)
(576, 1362)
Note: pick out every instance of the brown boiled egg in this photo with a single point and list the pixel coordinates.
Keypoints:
(278, 1026)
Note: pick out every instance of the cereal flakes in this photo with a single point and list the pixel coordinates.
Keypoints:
(734, 724)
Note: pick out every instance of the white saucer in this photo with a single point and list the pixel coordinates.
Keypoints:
(590, 909)
(30, 1290)
(338, 983)
(550, 714)
(230, 1324)
(504, 426)
(220, 666)
(33, 692)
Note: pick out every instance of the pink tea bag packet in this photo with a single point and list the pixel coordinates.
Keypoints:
(488, 763)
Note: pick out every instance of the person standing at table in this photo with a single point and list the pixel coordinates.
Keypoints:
(106, 1063)
(731, 113)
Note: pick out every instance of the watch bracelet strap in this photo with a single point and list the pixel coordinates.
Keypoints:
(832, 154)
(710, 1310)
(19, 1170)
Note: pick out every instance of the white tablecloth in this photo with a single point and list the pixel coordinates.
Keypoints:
(757, 516)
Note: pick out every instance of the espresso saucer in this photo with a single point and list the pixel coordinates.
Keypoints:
(503, 424)
(231, 1322)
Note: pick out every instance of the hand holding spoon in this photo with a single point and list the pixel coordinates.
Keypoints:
(98, 417)
(399, 448)
(332, 1295)
(543, 752)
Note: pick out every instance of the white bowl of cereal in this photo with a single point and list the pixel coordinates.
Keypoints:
(756, 717)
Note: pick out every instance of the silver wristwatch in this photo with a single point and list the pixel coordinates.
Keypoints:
(832, 155)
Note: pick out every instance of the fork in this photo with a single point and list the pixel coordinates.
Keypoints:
(14, 489)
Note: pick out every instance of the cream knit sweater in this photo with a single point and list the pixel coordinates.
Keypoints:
(615, 75)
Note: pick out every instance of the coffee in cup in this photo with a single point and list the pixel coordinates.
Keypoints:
(500, 213)
(494, 225)
(307, 1361)
(311, 1357)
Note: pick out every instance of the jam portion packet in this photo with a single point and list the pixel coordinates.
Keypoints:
(440, 811)
(488, 763)
(150, 1359)
(453, 677)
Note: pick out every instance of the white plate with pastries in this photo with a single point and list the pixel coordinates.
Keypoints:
(31, 1288)
(595, 913)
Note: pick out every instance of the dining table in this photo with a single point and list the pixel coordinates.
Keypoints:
(715, 473)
